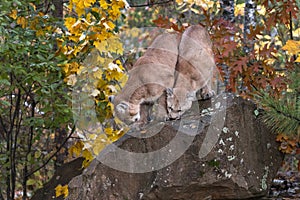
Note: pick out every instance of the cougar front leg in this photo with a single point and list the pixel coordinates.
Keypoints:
(205, 93)
(159, 109)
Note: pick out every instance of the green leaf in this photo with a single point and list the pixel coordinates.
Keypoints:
(5, 103)
(96, 15)
(31, 182)
(4, 82)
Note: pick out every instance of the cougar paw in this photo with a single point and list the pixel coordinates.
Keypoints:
(206, 94)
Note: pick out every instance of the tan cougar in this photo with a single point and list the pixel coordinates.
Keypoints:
(194, 71)
(148, 79)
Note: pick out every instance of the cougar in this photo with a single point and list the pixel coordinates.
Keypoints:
(148, 79)
(194, 71)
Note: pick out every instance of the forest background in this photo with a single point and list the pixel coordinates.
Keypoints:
(53, 50)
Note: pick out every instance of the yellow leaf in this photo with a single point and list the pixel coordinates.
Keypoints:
(33, 6)
(118, 62)
(123, 3)
(88, 3)
(79, 7)
(41, 14)
(76, 149)
(239, 9)
(100, 143)
(179, 2)
(70, 68)
(109, 25)
(14, 14)
(101, 46)
(22, 21)
(117, 134)
(103, 36)
(115, 11)
(58, 190)
(61, 190)
(39, 32)
(103, 4)
(261, 9)
(74, 38)
(69, 22)
(101, 83)
(97, 74)
(80, 70)
(296, 32)
(110, 90)
(108, 131)
(65, 191)
(88, 158)
(71, 4)
(298, 59)
(292, 46)
(115, 45)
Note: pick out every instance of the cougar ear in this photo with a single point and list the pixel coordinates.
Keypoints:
(122, 107)
(169, 91)
(111, 98)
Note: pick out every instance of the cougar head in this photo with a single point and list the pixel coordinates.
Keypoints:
(179, 100)
(126, 112)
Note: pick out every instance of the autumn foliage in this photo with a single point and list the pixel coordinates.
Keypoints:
(262, 67)
(83, 68)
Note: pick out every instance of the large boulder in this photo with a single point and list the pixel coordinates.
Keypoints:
(220, 149)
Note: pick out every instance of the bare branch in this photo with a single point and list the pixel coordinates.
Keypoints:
(150, 3)
(54, 154)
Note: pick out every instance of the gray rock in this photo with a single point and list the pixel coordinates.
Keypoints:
(224, 151)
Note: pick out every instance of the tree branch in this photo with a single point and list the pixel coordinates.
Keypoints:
(3, 128)
(1, 196)
(54, 154)
(150, 4)
(287, 115)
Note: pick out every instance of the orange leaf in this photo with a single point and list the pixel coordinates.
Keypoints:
(281, 137)
(292, 46)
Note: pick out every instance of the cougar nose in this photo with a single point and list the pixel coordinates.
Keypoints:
(136, 117)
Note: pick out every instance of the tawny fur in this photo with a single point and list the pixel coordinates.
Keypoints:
(194, 71)
(149, 77)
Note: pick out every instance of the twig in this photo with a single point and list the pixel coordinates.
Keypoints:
(54, 154)
(150, 4)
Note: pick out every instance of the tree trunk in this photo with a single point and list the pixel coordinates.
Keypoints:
(59, 7)
(249, 21)
(61, 133)
(227, 7)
